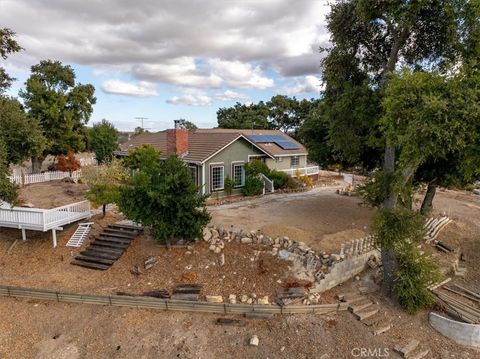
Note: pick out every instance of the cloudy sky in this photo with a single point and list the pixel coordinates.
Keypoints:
(168, 59)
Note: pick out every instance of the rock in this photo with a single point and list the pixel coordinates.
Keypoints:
(249, 301)
(246, 240)
(217, 250)
(212, 247)
(214, 298)
(221, 244)
(215, 233)
(263, 300)
(222, 259)
(357, 277)
(190, 248)
(284, 254)
(244, 298)
(253, 295)
(282, 349)
(274, 251)
(232, 299)
(207, 235)
(254, 341)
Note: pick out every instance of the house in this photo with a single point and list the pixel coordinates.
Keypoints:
(214, 154)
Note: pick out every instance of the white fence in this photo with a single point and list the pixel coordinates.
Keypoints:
(304, 171)
(42, 177)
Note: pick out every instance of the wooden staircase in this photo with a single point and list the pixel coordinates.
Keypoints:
(107, 247)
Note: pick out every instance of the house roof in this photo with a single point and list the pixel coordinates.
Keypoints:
(203, 143)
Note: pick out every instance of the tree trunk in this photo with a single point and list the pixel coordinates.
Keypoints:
(37, 164)
(427, 203)
(388, 254)
(104, 209)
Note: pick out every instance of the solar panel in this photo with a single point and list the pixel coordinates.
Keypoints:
(279, 140)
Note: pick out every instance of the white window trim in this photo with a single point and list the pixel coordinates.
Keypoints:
(237, 163)
(217, 165)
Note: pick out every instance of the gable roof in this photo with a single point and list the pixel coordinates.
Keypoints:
(203, 143)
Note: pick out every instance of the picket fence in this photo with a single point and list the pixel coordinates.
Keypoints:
(25, 179)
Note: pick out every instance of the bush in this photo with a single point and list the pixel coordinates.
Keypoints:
(414, 273)
(256, 167)
(253, 186)
(229, 185)
(281, 179)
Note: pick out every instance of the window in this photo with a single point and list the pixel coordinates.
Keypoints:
(278, 159)
(194, 174)
(238, 174)
(295, 161)
(216, 177)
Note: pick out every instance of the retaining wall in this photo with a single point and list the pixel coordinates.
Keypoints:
(462, 333)
(167, 304)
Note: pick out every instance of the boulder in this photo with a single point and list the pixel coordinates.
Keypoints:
(212, 247)
(214, 298)
(263, 300)
(232, 299)
(254, 341)
(243, 298)
(207, 235)
(217, 250)
(246, 240)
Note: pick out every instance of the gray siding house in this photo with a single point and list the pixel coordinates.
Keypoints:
(215, 154)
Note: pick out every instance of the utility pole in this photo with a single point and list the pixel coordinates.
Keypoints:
(141, 119)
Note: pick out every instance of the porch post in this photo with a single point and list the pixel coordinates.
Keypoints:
(203, 178)
(24, 234)
(54, 237)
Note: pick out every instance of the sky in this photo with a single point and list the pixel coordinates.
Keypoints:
(170, 59)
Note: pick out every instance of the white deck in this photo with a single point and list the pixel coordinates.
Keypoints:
(37, 219)
(304, 171)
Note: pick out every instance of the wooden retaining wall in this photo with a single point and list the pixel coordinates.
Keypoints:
(166, 304)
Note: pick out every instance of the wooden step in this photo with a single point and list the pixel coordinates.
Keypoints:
(116, 234)
(95, 259)
(106, 237)
(366, 313)
(90, 265)
(382, 328)
(101, 242)
(360, 305)
(127, 227)
(107, 250)
(406, 348)
(419, 354)
(93, 253)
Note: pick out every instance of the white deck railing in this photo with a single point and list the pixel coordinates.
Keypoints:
(267, 183)
(42, 177)
(43, 219)
(304, 171)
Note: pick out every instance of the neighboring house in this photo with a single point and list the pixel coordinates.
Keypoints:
(214, 154)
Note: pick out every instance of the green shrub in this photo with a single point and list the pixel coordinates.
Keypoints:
(229, 185)
(253, 186)
(281, 179)
(255, 167)
(414, 273)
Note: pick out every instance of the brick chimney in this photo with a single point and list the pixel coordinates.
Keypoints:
(177, 140)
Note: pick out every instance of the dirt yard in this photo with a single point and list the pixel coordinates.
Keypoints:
(52, 194)
(320, 218)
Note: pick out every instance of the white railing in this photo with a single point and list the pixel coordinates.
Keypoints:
(304, 171)
(267, 183)
(42, 177)
(43, 219)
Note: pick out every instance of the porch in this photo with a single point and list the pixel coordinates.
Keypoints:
(38, 219)
(304, 171)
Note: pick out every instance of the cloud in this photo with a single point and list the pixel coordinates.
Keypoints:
(117, 87)
(308, 84)
(189, 99)
(235, 43)
(229, 95)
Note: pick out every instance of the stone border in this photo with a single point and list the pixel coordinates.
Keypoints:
(462, 333)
